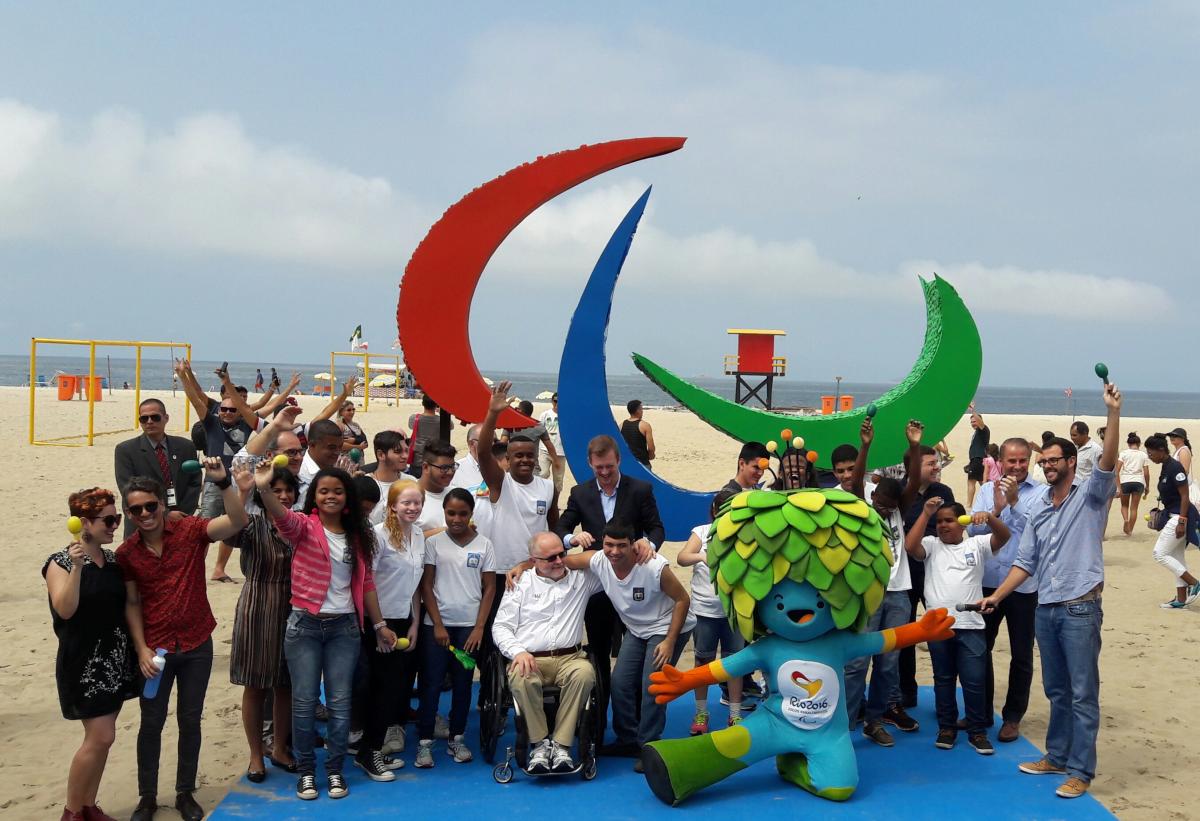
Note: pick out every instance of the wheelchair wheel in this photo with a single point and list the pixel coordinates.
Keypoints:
(589, 769)
(493, 710)
(502, 773)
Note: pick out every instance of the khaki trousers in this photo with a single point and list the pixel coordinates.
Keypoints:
(574, 677)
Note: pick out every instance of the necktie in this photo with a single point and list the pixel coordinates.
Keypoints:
(163, 464)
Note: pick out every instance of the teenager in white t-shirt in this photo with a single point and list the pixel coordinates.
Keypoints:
(391, 457)
(438, 468)
(954, 575)
(1133, 478)
(458, 586)
(712, 625)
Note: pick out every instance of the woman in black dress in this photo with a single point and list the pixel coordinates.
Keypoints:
(96, 668)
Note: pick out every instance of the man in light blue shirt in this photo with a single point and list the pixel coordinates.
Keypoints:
(1010, 500)
(1062, 549)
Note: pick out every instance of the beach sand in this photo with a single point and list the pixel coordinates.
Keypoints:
(1148, 662)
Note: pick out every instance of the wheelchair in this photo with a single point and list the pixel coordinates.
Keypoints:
(493, 722)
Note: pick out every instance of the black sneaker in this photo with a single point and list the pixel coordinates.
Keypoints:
(306, 787)
(981, 744)
(876, 732)
(337, 786)
(747, 706)
(946, 739)
(753, 690)
(371, 762)
(899, 719)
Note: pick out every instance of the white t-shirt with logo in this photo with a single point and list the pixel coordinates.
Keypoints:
(432, 515)
(518, 514)
(458, 583)
(398, 572)
(341, 565)
(549, 420)
(954, 574)
(704, 598)
(638, 598)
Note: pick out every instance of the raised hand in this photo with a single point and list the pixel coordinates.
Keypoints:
(286, 418)
(214, 469)
(913, 431)
(1112, 396)
(932, 505)
(244, 478)
(866, 431)
(263, 472)
(499, 400)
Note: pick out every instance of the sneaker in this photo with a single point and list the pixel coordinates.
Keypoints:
(1173, 604)
(753, 690)
(876, 732)
(441, 727)
(747, 706)
(337, 786)
(539, 758)
(699, 723)
(371, 762)
(424, 754)
(353, 741)
(456, 748)
(899, 719)
(981, 744)
(1193, 593)
(560, 759)
(945, 739)
(1072, 788)
(1040, 767)
(392, 763)
(393, 742)
(738, 719)
(306, 787)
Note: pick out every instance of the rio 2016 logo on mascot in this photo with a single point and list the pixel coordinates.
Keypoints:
(799, 573)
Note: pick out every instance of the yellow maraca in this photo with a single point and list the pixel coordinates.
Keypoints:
(964, 520)
(402, 643)
(280, 461)
(75, 525)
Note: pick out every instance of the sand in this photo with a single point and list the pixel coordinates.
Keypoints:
(1148, 663)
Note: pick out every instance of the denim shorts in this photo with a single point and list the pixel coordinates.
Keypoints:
(712, 631)
(1130, 488)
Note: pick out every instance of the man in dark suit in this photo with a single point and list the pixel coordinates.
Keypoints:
(591, 504)
(145, 455)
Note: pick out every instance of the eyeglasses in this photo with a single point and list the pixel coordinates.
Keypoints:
(149, 507)
(224, 409)
(109, 521)
(150, 417)
(450, 468)
(293, 453)
(1051, 461)
(552, 558)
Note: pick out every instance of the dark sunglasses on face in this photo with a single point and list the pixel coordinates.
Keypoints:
(224, 409)
(110, 521)
(552, 558)
(150, 417)
(149, 507)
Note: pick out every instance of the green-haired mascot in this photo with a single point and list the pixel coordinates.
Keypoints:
(799, 573)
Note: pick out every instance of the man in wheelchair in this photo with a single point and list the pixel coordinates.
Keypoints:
(540, 627)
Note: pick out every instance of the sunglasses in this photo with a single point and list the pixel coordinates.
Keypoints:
(110, 521)
(150, 417)
(149, 507)
(224, 409)
(552, 558)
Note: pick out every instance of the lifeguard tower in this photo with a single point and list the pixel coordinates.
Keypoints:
(755, 365)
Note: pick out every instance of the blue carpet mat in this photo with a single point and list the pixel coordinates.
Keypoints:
(911, 780)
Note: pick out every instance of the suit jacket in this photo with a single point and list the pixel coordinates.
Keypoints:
(135, 457)
(635, 506)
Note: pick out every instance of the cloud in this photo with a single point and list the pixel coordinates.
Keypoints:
(202, 187)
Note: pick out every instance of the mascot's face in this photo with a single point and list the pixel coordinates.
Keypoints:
(795, 612)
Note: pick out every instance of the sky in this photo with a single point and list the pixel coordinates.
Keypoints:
(253, 178)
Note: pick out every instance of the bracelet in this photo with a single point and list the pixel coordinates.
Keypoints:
(379, 625)
(224, 483)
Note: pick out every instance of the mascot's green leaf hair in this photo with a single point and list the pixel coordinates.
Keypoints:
(829, 538)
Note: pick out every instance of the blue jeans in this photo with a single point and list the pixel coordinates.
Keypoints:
(630, 678)
(855, 671)
(435, 661)
(1068, 636)
(885, 679)
(315, 647)
(963, 657)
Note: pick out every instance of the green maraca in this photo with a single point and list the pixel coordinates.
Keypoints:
(1102, 371)
(872, 410)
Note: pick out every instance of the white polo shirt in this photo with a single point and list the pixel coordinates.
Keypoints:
(954, 574)
(458, 585)
(542, 614)
(638, 598)
(398, 572)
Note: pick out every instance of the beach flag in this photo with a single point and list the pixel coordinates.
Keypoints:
(1067, 393)
(356, 343)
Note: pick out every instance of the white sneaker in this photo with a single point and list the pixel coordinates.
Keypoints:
(560, 758)
(441, 727)
(539, 757)
(393, 742)
(424, 754)
(456, 748)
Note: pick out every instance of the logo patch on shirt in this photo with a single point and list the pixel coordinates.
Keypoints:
(541, 507)
(473, 559)
(969, 556)
(639, 594)
(1181, 477)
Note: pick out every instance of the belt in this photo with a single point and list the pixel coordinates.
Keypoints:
(562, 651)
(1091, 595)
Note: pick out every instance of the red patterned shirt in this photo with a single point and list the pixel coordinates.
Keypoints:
(172, 587)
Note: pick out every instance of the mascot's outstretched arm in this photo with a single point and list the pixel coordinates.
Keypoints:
(670, 683)
(933, 626)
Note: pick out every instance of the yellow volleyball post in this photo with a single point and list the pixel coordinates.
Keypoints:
(32, 384)
(91, 392)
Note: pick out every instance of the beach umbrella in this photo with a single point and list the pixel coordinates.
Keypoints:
(325, 376)
(489, 382)
(383, 380)
(545, 396)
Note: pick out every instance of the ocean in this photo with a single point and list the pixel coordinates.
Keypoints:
(157, 375)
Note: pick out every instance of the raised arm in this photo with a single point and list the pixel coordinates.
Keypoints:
(234, 518)
(1112, 400)
(191, 388)
(489, 468)
(336, 402)
(264, 440)
(866, 434)
(245, 411)
(266, 408)
(912, 463)
(912, 539)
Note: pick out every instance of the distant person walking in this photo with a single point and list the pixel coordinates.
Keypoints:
(1087, 448)
(638, 434)
(976, 453)
(258, 380)
(1133, 474)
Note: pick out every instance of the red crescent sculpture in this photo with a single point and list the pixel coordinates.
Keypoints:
(439, 281)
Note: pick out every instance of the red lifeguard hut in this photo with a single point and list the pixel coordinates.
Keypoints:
(755, 365)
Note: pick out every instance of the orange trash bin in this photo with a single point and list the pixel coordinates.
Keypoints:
(827, 406)
(847, 402)
(93, 387)
(66, 387)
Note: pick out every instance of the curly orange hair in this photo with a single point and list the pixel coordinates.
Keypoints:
(88, 503)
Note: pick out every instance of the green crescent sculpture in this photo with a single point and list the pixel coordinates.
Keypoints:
(937, 391)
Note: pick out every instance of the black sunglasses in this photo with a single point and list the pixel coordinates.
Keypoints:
(150, 417)
(112, 520)
(149, 507)
(552, 558)
(224, 409)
